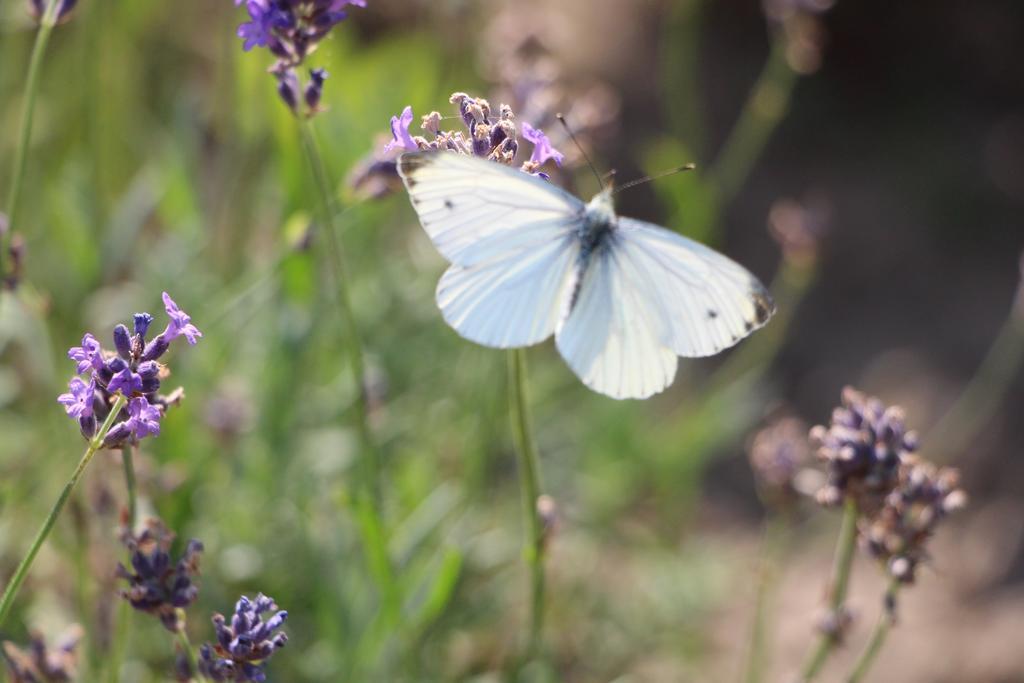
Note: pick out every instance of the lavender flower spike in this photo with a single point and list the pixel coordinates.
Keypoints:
(88, 355)
(181, 322)
(400, 132)
(78, 401)
(542, 147)
(242, 648)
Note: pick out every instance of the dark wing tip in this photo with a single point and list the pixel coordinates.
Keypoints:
(764, 306)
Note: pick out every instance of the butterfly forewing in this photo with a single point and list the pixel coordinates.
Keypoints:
(707, 302)
(461, 200)
(511, 239)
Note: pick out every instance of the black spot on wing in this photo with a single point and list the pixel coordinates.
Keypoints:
(712, 314)
(448, 204)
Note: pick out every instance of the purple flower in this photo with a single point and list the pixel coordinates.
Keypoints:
(88, 355)
(78, 401)
(400, 132)
(542, 148)
(257, 33)
(143, 419)
(181, 322)
(125, 381)
(242, 648)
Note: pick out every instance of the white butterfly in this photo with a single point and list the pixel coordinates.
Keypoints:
(623, 298)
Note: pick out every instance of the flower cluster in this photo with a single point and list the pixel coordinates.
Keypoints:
(291, 31)
(778, 454)
(132, 370)
(897, 534)
(155, 584)
(862, 449)
(243, 647)
(489, 136)
(37, 8)
(493, 137)
(38, 664)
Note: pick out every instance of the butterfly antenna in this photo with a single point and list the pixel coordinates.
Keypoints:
(593, 169)
(647, 179)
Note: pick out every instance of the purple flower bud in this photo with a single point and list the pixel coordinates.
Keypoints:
(117, 435)
(142, 322)
(315, 87)
(149, 371)
(88, 426)
(123, 342)
(156, 348)
(288, 88)
(37, 8)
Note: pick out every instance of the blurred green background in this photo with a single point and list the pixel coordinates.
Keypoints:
(162, 160)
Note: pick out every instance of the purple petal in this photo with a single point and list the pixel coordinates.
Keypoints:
(400, 132)
(542, 147)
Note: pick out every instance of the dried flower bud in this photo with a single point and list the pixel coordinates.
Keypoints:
(862, 449)
(898, 534)
(155, 585)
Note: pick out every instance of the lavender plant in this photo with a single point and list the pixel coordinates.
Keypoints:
(117, 402)
(892, 500)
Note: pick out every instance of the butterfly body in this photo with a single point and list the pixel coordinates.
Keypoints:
(623, 298)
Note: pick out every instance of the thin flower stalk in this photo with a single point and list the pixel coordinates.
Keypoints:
(128, 465)
(7, 601)
(986, 389)
(529, 475)
(774, 544)
(47, 21)
(839, 585)
(877, 637)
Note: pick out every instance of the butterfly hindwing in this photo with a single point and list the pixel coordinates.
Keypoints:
(610, 338)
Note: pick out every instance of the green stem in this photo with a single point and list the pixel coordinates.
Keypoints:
(773, 546)
(186, 647)
(837, 590)
(120, 643)
(22, 571)
(129, 482)
(877, 639)
(338, 272)
(529, 476)
(980, 399)
(764, 108)
(368, 501)
(46, 24)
